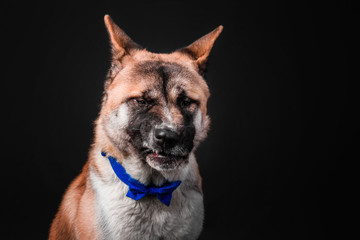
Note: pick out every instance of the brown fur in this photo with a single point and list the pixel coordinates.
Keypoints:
(76, 217)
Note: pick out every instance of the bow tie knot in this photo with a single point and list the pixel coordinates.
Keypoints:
(138, 190)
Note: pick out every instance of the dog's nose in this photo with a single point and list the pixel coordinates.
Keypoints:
(166, 136)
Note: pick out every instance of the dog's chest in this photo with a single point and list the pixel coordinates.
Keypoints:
(123, 218)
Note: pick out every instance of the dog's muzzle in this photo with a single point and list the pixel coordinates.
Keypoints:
(169, 150)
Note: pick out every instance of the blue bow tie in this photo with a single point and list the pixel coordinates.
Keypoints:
(138, 190)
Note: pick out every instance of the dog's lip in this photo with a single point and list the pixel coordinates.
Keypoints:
(161, 155)
(162, 161)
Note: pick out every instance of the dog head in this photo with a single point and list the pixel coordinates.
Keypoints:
(154, 106)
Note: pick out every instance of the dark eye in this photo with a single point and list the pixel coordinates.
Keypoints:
(186, 102)
(139, 101)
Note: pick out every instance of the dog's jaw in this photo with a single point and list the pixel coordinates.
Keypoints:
(137, 165)
(165, 162)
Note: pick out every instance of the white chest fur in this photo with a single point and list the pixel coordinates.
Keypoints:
(120, 217)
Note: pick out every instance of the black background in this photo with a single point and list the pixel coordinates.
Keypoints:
(277, 161)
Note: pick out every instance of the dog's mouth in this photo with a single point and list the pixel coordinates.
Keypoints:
(164, 161)
(163, 157)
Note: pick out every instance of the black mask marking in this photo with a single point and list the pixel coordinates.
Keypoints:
(142, 122)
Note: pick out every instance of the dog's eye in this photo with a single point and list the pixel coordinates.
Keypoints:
(186, 102)
(139, 101)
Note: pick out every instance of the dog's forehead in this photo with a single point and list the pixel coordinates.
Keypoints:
(171, 77)
(157, 79)
(162, 71)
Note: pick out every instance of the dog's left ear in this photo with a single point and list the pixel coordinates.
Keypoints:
(200, 49)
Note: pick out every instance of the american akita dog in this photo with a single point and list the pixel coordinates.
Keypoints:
(141, 180)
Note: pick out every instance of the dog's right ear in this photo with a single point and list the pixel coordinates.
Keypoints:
(121, 44)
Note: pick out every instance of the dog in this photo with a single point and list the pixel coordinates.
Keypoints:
(141, 180)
